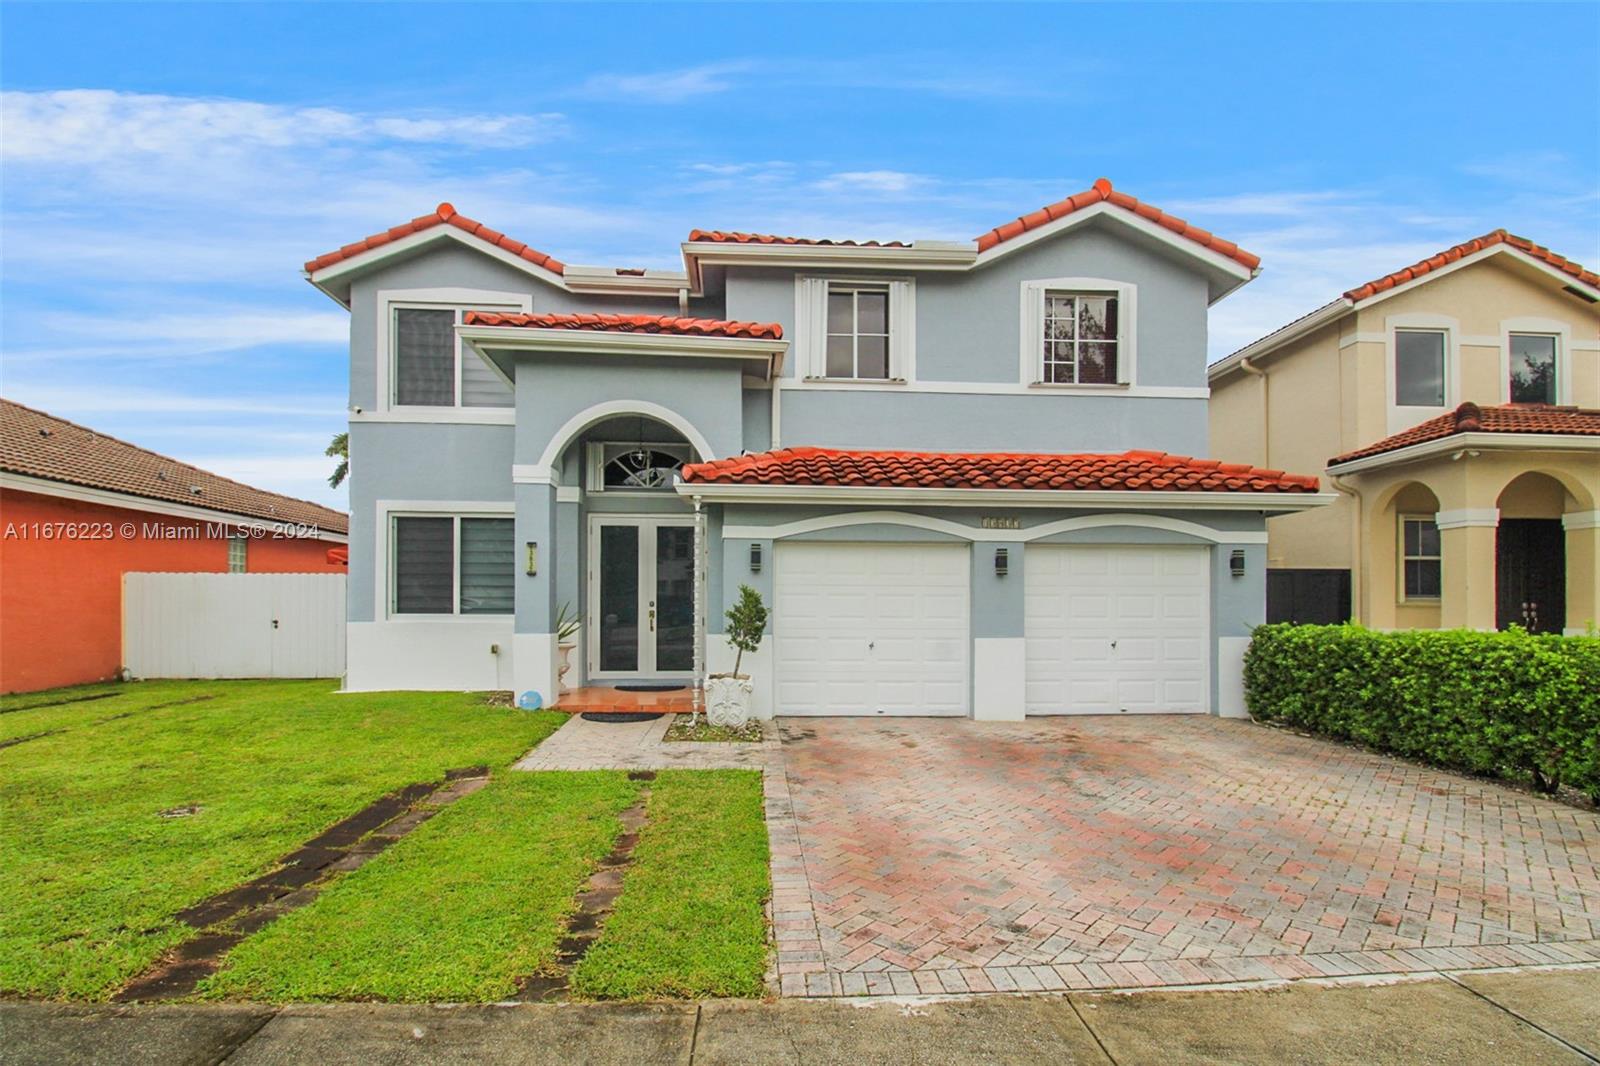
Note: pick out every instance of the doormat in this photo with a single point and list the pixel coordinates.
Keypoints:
(619, 717)
(651, 688)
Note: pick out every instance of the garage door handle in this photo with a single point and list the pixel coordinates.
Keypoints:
(1113, 644)
(871, 644)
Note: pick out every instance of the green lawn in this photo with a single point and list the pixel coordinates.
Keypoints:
(91, 874)
(689, 921)
(472, 900)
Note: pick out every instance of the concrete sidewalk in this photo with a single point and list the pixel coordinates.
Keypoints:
(1525, 1017)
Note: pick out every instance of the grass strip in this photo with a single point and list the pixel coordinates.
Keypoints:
(457, 911)
(690, 920)
(92, 873)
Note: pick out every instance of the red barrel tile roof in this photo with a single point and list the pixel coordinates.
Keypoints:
(1102, 192)
(732, 237)
(44, 446)
(443, 215)
(1466, 248)
(1471, 418)
(688, 327)
(1131, 471)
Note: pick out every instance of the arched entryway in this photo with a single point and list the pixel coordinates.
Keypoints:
(1531, 555)
(1407, 565)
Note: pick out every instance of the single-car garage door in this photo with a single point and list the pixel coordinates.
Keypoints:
(1114, 629)
(871, 628)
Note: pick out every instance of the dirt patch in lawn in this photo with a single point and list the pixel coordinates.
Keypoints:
(682, 729)
(228, 917)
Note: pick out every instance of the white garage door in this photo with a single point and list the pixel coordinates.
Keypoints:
(871, 628)
(1116, 629)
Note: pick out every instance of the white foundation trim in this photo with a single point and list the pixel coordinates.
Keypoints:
(429, 655)
(1468, 516)
(1581, 520)
(536, 665)
(1230, 677)
(999, 678)
(973, 533)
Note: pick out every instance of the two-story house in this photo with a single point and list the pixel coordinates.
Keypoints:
(959, 472)
(1456, 407)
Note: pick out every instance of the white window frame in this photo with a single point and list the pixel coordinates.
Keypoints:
(240, 543)
(386, 559)
(1402, 558)
(1546, 327)
(595, 461)
(1398, 417)
(1031, 354)
(444, 299)
(811, 328)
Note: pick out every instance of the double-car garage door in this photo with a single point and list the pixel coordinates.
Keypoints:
(884, 629)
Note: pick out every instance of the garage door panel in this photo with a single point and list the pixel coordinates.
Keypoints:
(896, 623)
(1116, 628)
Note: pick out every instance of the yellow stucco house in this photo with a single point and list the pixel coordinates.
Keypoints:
(1455, 406)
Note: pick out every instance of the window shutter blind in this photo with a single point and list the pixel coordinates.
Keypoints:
(424, 357)
(902, 330)
(810, 325)
(423, 565)
(488, 566)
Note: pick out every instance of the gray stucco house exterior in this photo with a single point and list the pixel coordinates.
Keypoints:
(960, 473)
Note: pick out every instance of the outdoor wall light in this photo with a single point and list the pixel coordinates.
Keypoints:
(755, 558)
(1002, 561)
(533, 558)
(1236, 562)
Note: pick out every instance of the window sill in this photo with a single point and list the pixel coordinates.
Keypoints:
(395, 616)
(1419, 601)
(491, 416)
(853, 381)
(1063, 386)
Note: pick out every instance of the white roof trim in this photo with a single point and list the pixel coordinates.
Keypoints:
(529, 338)
(1456, 442)
(128, 501)
(918, 255)
(1099, 499)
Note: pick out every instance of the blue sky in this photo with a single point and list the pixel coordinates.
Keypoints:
(167, 169)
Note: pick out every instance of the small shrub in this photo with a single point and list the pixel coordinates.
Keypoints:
(1511, 705)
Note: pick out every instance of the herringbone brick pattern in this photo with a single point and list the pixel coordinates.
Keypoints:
(953, 856)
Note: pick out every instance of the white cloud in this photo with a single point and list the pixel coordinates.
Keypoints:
(874, 181)
(663, 87)
(77, 400)
(89, 125)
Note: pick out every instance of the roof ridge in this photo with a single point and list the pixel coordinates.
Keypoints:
(158, 455)
(444, 214)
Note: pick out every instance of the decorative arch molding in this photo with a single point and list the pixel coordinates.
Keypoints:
(544, 472)
(1572, 483)
(971, 533)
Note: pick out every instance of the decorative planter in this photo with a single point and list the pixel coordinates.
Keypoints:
(729, 699)
(561, 673)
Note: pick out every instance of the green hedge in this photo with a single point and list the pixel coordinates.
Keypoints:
(1511, 705)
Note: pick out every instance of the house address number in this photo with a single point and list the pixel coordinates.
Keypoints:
(997, 522)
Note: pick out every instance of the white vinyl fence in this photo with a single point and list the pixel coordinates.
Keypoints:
(233, 625)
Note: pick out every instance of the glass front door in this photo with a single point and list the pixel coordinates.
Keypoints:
(641, 597)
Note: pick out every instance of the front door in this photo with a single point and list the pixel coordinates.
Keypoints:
(641, 597)
(1531, 575)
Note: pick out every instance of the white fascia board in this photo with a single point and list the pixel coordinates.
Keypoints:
(919, 255)
(1278, 338)
(528, 339)
(106, 498)
(602, 279)
(1456, 442)
(1100, 499)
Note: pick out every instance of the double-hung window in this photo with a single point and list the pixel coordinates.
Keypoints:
(431, 367)
(1419, 367)
(858, 332)
(452, 565)
(1420, 557)
(1533, 367)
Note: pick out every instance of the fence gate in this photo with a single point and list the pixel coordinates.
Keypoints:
(233, 625)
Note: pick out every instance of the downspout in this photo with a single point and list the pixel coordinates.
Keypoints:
(1266, 447)
(777, 410)
(1357, 585)
(683, 303)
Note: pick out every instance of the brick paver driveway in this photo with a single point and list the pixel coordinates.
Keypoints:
(950, 856)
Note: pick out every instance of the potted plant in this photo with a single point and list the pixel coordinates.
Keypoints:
(567, 625)
(729, 696)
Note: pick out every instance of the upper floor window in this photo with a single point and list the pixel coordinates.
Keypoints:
(858, 332)
(1533, 368)
(1077, 331)
(1419, 367)
(449, 564)
(855, 330)
(431, 366)
(1080, 338)
(1420, 558)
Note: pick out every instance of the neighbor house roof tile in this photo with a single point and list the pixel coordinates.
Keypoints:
(1131, 471)
(1466, 248)
(1102, 192)
(1471, 418)
(443, 215)
(688, 327)
(43, 446)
